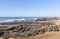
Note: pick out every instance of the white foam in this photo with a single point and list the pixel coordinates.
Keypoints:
(17, 20)
(12, 20)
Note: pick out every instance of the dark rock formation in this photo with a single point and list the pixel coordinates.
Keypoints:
(1, 33)
(26, 31)
(21, 31)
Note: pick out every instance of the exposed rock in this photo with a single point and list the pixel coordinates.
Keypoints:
(26, 31)
(1, 33)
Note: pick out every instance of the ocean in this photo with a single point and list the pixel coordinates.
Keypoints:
(9, 19)
(4, 21)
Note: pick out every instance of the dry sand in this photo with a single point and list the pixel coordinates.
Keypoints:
(47, 35)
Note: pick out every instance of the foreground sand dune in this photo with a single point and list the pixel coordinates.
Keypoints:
(47, 35)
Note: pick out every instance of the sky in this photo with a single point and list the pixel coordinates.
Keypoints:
(29, 8)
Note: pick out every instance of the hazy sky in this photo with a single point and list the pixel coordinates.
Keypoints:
(29, 8)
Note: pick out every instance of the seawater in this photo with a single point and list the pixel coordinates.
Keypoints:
(5, 19)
